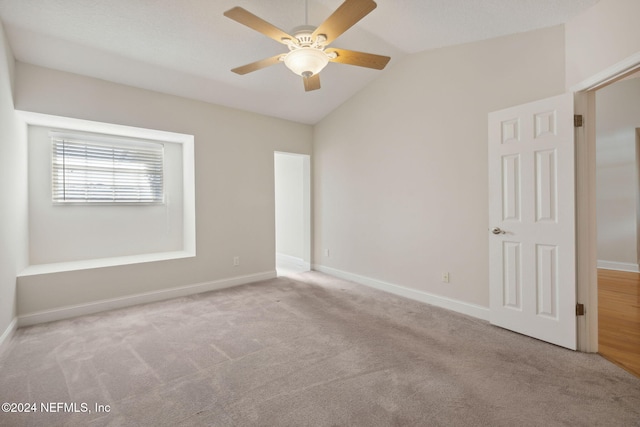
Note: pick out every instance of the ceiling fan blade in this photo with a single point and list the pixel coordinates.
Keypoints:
(258, 65)
(247, 18)
(344, 17)
(311, 83)
(361, 59)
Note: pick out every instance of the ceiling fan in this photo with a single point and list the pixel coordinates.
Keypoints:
(308, 46)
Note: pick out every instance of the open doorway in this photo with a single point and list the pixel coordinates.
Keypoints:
(617, 195)
(586, 206)
(292, 177)
(617, 118)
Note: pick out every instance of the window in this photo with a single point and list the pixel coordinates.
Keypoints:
(88, 169)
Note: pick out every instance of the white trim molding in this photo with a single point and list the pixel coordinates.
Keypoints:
(7, 334)
(87, 264)
(620, 266)
(143, 298)
(469, 309)
(607, 75)
(187, 143)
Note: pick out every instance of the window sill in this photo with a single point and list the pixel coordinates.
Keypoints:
(60, 267)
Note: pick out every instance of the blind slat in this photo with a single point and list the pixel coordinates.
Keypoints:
(84, 171)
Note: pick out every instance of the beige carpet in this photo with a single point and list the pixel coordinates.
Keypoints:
(308, 350)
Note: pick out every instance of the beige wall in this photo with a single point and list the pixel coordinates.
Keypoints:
(13, 203)
(617, 117)
(601, 37)
(234, 185)
(400, 181)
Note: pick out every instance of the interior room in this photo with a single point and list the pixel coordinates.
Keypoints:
(363, 239)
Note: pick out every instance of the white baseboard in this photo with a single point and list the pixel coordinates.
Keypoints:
(620, 266)
(473, 310)
(164, 294)
(7, 334)
(288, 261)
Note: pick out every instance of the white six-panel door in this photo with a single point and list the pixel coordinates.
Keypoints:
(532, 220)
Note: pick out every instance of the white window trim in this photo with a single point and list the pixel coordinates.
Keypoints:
(188, 180)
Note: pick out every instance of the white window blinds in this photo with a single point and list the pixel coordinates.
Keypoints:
(104, 171)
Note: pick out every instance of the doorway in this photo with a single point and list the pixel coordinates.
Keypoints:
(617, 201)
(617, 120)
(292, 178)
(586, 203)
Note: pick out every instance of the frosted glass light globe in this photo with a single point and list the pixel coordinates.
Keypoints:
(306, 61)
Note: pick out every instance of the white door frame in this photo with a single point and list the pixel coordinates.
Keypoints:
(586, 237)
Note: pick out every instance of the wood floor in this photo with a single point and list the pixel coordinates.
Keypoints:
(619, 318)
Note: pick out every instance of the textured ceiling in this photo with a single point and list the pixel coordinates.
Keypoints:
(187, 47)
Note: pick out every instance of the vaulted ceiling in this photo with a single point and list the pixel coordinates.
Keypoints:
(187, 47)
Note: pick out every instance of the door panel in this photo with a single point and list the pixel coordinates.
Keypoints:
(512, 285)
(532, 216)
(511, 191)
(546, 186)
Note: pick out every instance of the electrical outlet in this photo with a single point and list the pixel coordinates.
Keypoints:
(445, 277)
(236, 261)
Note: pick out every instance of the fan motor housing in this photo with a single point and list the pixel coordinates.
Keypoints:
(304, 35)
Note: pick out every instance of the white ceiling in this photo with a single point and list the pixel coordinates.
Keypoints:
(187, 47)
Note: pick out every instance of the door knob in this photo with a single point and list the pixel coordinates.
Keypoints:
(497, 230)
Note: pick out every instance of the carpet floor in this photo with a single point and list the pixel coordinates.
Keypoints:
(304, 350)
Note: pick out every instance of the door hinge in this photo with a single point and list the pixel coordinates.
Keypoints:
(580, 309)
(577, 120)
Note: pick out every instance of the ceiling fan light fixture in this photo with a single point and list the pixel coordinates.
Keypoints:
(308, 45)
(306, 61)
